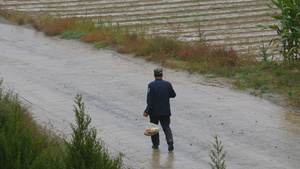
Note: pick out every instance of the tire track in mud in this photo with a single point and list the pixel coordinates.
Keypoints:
(49, 72)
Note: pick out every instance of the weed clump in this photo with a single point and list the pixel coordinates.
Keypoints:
(217, 155)
(24, 144)
(84, 150)
(56, 26)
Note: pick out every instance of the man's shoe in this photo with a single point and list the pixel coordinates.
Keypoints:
(171, 147)
(155, 147)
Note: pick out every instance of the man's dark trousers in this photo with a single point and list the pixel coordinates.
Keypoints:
(165, 123)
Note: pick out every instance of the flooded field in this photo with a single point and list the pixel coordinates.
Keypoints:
(48, 72)
(229, 22)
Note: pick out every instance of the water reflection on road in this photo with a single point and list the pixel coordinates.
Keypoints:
(162, 160)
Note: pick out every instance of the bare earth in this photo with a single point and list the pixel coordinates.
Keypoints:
(48, 72)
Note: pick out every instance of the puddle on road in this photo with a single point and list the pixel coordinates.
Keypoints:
(162, 160)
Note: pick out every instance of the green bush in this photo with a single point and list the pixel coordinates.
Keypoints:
(23, 144)
(162, 45)
(85, 151)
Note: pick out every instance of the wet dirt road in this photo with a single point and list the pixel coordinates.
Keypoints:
(48, 72)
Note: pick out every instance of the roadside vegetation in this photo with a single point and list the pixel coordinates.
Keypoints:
(267, 74)
(25, 144)
(217, 154)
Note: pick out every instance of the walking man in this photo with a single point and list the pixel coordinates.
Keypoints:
(158, 107)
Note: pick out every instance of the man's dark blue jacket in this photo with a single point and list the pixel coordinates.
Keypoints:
(158, 98)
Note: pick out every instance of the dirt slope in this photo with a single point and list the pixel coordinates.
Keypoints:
(48, 72)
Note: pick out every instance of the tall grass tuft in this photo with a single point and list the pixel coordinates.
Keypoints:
(23, 144)
(217, 155)
(14, 16)
(85, 151)
(133, 43)
(56, 26)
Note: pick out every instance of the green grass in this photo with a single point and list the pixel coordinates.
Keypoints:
(25, 144)
(271, 77)
(72, 35)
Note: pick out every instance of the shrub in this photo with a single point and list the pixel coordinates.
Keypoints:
(133, 43)
(164, 45)
(100, 38)
(23, 144)
(209, 56)
(10, 15)
(55, 26)
(85, 151)
(35, 23)
(95, 36)
(190, 53)
(223, 57)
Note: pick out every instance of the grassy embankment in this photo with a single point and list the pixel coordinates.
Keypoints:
(25, 144)
(244, 71)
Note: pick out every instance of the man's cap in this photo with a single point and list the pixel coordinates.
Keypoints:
(158, 71)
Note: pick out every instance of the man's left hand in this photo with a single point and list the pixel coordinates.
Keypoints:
(145, 114)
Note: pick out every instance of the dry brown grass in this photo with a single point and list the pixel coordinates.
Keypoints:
(132, 43)
(169, 51)
(95, 36)
(55, 26)
(12, 16)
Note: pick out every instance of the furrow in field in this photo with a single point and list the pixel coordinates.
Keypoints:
(58, 3)
(231, 22)
(215, 23)
(216, 34)
(128, 6)
(162, 15)
(188, 18)
(133, 13)
(227, 38)
(124, 9)
(70, 2)
(211, 29)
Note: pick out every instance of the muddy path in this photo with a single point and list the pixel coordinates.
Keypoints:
(48, 72)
